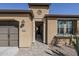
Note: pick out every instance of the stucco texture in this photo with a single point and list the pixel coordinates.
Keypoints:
(25, 32)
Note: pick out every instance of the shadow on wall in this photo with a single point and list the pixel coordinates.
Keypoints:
(61, 41)
(56, 52)
(53, 42)
(63, 50)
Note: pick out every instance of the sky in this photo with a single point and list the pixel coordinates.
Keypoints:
(64, 8)
(21, 6)
(55, 8)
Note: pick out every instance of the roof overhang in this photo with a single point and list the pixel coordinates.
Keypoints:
(17, 12)
(60, 16)
(38, 4)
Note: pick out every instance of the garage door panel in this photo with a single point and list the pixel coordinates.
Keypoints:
(4, 30)
(8, 33)
(13, 37)
(3, 37)
(13, 43)
(14, 31)
(3, 43)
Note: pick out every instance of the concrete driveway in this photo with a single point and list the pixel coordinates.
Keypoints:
(8, 51)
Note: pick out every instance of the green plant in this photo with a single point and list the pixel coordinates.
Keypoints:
(76, 45)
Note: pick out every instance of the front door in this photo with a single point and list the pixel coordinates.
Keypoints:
(39, 31)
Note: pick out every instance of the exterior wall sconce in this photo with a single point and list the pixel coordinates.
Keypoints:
(22, 24)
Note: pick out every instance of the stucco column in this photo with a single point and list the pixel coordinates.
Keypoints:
(33, 31)
(44, 32)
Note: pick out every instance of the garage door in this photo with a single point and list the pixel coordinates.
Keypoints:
(8, 33)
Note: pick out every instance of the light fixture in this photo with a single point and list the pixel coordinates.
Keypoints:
(22, 23)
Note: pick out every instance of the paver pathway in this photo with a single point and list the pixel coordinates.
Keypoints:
(41, 49)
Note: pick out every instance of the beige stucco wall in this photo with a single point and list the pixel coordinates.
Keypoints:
(35, 9)
(78, 26)
(39, 18)
(51, 29)
(25, 33)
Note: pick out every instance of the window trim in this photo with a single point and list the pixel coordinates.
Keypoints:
(66, 19)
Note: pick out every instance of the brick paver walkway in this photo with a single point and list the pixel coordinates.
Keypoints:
(41, 49)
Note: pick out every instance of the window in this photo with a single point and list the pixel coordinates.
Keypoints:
(65, 27)
(61, 27)
(69, 27)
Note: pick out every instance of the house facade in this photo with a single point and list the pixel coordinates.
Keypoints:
(22, 28)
